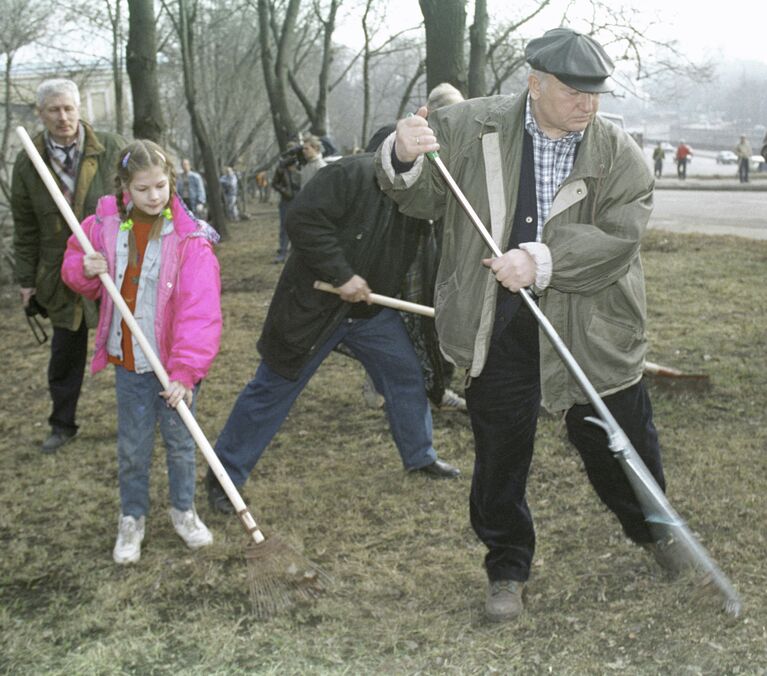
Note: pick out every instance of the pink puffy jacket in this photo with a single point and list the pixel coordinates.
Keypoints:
(188, 311)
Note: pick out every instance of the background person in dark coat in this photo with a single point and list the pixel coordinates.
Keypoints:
(84, 163)
(344, 231)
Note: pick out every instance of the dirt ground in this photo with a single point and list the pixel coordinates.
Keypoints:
(408, 586)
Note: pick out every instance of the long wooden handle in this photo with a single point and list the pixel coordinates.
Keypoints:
(388, 301)
(246, 517)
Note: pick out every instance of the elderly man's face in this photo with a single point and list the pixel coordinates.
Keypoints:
(559, 109)
(61, 118)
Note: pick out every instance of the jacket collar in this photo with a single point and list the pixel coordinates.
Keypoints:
(92, 144)
(507, 116)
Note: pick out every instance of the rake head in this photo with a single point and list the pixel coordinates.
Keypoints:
(680, 556)
(279, 577)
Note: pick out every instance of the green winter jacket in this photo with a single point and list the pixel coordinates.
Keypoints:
(40, 232)
(596, 298)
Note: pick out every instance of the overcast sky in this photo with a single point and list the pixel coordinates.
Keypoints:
(734, 29)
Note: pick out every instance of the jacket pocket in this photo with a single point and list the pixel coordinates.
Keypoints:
(51, 292)
(445, 290)
(299, 317)
(454, 321)
(616, 344)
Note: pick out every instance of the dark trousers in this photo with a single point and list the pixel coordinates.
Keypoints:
(743, 170)
(503, 403)
(69, 350)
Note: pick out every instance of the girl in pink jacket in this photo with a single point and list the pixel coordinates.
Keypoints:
(161, 258)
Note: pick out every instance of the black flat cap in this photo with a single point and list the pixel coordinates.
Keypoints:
(577, 60)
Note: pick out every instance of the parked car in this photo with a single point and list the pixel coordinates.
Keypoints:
(726, 157)
(755, 162)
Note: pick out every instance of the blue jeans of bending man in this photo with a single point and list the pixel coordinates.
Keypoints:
(139, 408)
(382, 345)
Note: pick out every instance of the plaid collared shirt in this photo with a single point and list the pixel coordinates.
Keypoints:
(554, 159)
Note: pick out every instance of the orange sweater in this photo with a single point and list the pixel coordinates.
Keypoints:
(142, 224)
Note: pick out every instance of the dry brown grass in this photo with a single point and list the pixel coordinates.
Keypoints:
(408, 580)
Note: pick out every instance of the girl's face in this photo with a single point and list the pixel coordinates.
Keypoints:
(150, 190)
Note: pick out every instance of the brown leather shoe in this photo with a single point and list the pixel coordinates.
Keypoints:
(504, 600)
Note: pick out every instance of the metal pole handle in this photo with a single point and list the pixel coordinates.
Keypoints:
(659, 513)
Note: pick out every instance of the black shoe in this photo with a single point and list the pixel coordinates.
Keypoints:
(58, 438)
(439, 469)
(217, 499)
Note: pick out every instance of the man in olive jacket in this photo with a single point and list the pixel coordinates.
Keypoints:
(344, 231)
(567, 196)
(83, 162)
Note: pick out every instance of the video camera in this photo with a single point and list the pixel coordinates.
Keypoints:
(294, 154)
(32, 309)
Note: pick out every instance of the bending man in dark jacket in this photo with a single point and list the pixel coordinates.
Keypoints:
(344, 231)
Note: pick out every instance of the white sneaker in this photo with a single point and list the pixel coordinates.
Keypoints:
(190, 528)
(452, 401)
(130, 533)
(370, 395)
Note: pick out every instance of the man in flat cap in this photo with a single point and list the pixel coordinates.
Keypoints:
(567, 196)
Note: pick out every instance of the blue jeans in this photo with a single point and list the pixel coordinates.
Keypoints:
(382, 345)
(139, 408)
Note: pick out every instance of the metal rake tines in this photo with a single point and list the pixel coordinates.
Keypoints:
(279, 577)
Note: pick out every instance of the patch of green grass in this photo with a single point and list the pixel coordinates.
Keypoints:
(408, 583)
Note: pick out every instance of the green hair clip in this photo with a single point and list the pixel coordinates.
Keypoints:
(128, 224)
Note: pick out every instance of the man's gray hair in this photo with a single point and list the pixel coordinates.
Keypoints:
(57, 87)
(313, 141)
(444, 94)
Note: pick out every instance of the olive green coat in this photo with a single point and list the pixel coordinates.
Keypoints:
(40, 231)
(596, 297)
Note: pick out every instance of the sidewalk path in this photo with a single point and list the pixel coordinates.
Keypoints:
(757, 183)
(711, 211)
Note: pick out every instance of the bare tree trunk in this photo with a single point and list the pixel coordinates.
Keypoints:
(445, 24)
(5, 185)
(317, 113)
(366, 56)
(275, 69)
(405, 100)
(478, 50)
(215, 206)
(141, 62)
(115, 18)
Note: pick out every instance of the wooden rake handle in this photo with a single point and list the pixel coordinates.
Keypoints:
(246, 517)
(387, 301)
